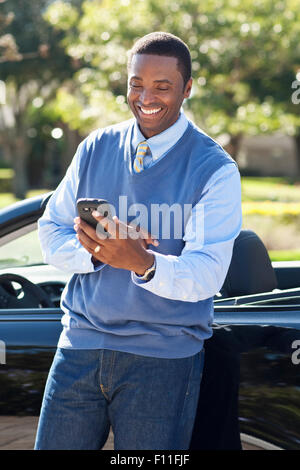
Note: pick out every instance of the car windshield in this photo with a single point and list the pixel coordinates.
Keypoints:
(22, 251)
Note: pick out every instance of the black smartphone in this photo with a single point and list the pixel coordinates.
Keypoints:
(86, 206)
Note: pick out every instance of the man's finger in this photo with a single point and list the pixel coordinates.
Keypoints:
(88, 243)
(108, 224)
(149, 239)
(136, 232)
(118, 229)
(86, 228)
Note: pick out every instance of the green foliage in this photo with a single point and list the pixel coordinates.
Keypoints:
(81, 104)
(72, 56)
(245, 58)
(34, 64)
(241, 51)
(62, 13)
(38, 54)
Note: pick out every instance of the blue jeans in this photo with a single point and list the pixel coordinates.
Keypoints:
(149, 402)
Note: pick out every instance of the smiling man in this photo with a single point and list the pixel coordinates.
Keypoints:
(156, 98)
(137, 310)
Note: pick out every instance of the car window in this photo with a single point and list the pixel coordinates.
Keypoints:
(22, 251)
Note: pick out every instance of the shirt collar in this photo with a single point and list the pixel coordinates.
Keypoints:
(161, 143)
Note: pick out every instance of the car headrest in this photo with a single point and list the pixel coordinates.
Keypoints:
(250, 270)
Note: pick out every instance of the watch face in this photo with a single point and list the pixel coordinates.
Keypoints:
(150, 275)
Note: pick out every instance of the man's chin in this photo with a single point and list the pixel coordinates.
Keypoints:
(149, 131)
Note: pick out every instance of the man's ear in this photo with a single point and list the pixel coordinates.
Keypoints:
(188, 88)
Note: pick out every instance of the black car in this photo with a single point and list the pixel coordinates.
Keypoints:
(250, 391)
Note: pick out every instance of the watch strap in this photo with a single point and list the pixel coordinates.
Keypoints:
(149, 273)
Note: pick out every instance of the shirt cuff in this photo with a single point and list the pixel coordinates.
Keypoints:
(138, 279)
(164, 270)
(98, 265)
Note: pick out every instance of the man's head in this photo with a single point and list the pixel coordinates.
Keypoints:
(168, 45)
(159, 79)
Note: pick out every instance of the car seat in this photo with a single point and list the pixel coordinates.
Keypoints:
(250, 270)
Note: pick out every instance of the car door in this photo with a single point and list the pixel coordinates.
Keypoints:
(28, 336)
(28, 343)
(250, 391)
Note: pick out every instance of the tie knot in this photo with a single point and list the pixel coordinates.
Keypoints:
(141, 152)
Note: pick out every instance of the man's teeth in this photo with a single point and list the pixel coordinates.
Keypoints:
(150, 111)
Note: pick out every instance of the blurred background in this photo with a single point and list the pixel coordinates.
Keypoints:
(63, 74)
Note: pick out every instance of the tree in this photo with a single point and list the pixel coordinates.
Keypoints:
(237, 49)
(65, 62)
(278, 65)
(33, 66)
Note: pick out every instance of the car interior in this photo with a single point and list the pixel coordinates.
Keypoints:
(252, 279)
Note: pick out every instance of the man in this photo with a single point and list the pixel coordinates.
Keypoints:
(137, 311)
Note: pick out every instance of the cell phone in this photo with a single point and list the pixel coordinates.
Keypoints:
(86, 206)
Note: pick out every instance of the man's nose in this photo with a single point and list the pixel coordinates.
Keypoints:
(146, 96)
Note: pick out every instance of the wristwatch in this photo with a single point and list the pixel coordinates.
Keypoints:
(149, 273)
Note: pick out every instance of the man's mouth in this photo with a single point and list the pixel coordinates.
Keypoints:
(150, 111)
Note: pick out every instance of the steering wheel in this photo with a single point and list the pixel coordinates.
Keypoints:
(28, 296)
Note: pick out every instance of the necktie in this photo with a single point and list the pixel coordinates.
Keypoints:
(142, 150)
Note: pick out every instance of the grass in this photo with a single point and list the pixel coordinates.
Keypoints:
(270, 189)
(6, 172)
(271, 207)
(284, 255)
(8, 198)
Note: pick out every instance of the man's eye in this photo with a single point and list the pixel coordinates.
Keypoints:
(163, 89)
(133, 85)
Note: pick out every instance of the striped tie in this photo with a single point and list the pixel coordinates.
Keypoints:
(142, 150)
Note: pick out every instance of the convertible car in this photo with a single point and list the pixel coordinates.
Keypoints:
(250, 391)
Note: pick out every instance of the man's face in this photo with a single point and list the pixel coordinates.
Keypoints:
(155, 92)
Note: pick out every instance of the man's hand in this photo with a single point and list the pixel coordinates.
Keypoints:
(125, 246)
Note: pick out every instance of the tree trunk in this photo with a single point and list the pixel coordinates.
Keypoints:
(15, 148)
(297, 145)
(19, 163)
(72, 140)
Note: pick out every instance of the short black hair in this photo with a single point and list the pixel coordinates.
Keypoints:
(165, 44)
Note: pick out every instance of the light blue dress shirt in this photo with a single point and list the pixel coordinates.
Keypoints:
(199, 272)
(191, 276)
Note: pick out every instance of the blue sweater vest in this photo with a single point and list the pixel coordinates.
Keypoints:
(105, 309)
